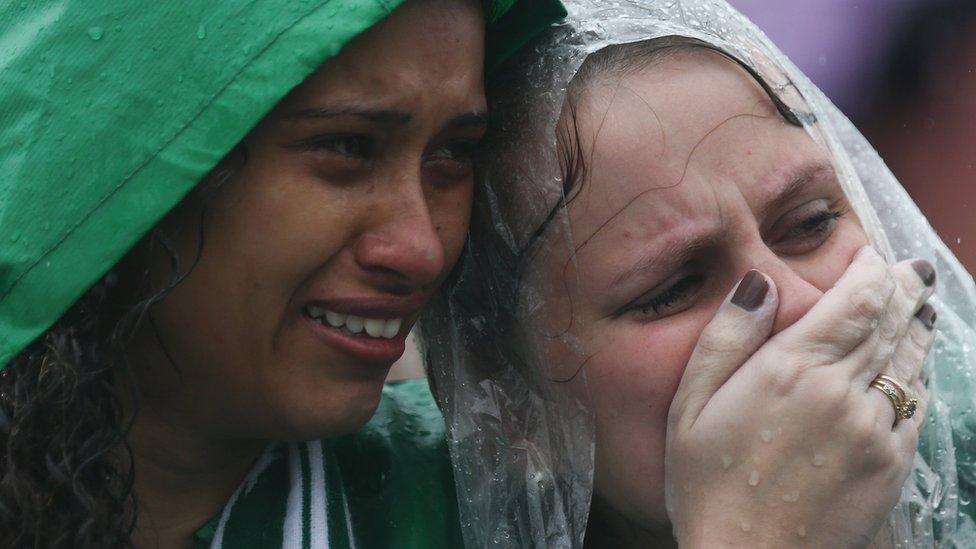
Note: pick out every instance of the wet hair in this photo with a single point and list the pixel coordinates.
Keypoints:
(66, 469)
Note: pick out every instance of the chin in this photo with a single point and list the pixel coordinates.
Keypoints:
(340, 414)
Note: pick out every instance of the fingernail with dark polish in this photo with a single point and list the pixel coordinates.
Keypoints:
(927, 315)
(751, 291)
(925, 271)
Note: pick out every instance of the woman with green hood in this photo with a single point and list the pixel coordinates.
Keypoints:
(218, 223)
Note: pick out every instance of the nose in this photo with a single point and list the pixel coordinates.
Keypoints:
(401, 247)
(796, 294)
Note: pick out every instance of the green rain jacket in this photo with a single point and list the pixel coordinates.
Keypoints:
(110, 112)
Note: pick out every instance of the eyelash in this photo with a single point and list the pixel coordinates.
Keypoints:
(361, 147)
(670, 296)
(458, 151)
(353, 146)
(815, 224)
(678, 293)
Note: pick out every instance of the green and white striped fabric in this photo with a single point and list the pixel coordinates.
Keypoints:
(388, 485)
(297, 483)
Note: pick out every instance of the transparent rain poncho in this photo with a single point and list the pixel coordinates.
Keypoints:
(522, 443)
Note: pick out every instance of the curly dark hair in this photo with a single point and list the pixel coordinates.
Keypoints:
(66, 468)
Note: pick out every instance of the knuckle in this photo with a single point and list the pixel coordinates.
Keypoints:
(864, 431)
(901, 367)
(884, 349)
(919, 337)
(781, 379)
(867, 305)
(716, 341)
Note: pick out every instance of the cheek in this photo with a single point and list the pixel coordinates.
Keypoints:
(265, 231)
(263, 239)
(450, 212)
(632, 377)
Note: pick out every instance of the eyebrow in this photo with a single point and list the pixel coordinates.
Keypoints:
(381, 116)
(794, 187)
(675, 254)
(389, 117)
(678, 253)
(477, 119)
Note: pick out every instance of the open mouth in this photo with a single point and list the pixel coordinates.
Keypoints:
(377, 328)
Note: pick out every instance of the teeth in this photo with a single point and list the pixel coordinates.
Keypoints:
(315, 311)
(374, 327)
(355, 324)
(335, 319)
(392, 328)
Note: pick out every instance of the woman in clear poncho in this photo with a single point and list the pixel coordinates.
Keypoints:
(219, 221)
(519, 367)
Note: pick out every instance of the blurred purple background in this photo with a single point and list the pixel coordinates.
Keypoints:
(905, 72)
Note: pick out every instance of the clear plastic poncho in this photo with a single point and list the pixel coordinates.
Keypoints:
(522, 442)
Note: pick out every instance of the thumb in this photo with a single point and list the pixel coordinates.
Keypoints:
(740, 326)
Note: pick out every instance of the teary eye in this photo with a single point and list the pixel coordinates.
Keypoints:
(358, 146)
(806, 228)
(453, 160)
(674, 297)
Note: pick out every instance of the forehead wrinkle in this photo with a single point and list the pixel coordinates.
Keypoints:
(756, 108)
(673, 185)
(685, 222)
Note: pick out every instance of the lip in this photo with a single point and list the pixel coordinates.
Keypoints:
(378, 351)
(373, 307)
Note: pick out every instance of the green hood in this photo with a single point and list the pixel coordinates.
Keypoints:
(110, 112)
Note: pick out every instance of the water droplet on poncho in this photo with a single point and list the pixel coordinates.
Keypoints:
(201, 32)
(819, 460)
(746, 526)
(726, 461)
(754, 478)
(791, 497)
(766, 435)
(96, 33)
(801, 531)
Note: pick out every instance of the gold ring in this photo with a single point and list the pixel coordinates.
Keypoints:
(904, 407)
(894, 383)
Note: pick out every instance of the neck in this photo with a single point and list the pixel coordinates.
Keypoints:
(183, 477)
(607, 527)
